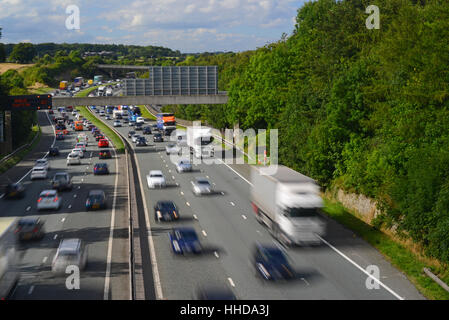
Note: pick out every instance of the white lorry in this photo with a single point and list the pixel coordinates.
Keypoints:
(287, 202)
(9, 274)
(200, 142)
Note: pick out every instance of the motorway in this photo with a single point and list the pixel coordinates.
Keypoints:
(107, 273)
(228, 231)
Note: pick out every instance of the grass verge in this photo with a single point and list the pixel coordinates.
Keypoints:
(399, 256)
(146, 113)
(118, 144)
(11, 162)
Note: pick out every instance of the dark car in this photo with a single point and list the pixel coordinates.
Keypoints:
(131, 133)
(147, 130)
(14, 190)
(105, 154)
(271, 263)
(184, 240)
(157, 137)
(62, 181)
(165, 211)
(139, 126)
(98, 137)
(59, 136)
(125, 120)
(53, 152)
(141, 142)
(154, 126)
(60, 127)
(30, 228)
(96, 200)
(101, 168)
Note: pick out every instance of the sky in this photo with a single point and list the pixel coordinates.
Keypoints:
(185, 25)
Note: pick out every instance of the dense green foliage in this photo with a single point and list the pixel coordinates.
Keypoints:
(366, 110)
(22, 53)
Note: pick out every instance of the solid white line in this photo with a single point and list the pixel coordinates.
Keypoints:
(361, 269)
(235, 172)
(111, 234)
(231, 282)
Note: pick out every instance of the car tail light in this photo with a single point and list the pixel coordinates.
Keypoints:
(39, 200)
(36, 229)
(55, 199)
(174, 213)
(18, 229)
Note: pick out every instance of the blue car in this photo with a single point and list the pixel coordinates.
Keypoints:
(96, 200)
(185, 240)
(271, 263)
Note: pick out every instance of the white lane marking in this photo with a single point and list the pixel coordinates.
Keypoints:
(207, 177)
(195, 217)
(87, 167)
(2, 195)
(30, 291)
(235, 172)
(232, 204)
(361, 269)
(182, 193)
(63, 219)
(75, 196)
(54, 238)
(216, 254)
(188, 204)
(173, 177)
(169, 170)
(44, 260)
(222, 193)
(231, 282)
(70, 206)
(305, 281)
(177, 184)
(111, 234)
(28, 208)
(166, 165)
(91, 154)
(204, 233)
(244, 217)
(79, 187)
(258, 232)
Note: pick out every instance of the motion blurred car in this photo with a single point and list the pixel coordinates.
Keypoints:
(62, 181)
(53, 152)
(107, 117)
(38, 173)
(125, 120)
(147, 130)
(50, 112)
(101, 168)
(117, 123)
(172, 148)
(73, 158)
(214, 293)
(30, 228)
(60, 136)
(183, 166)
(70, 252)
(165, 211)
(201, 186)
(79, 151)
(157, 137)
(42, 163)
(102, 113)
(96, 200)
(139, 126)
(154, 127)
(14, 190)
(81, 145)
(105, 154)
(103, 143)
(135, 137)
(271, 263)
(141, 142)
(156, 179)
(49, 199)
(185, 240)
(131, 133)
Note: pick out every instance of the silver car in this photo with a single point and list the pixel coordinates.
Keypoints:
(43, 163)
(135, 137)
(71, 252)
(201, 186)
(183, 166)
(49, 199)
(172, 148)
(38, 173)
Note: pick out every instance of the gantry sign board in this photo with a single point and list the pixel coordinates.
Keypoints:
(189, 80)
(27, 102)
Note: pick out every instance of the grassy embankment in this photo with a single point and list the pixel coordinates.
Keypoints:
(11, 162)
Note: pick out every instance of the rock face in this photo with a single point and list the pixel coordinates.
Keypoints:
(363, 206)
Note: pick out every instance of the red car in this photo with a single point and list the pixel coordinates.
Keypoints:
(103, 143)
(99, 137)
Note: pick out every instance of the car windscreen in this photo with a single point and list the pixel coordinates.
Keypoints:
(274, 255)
(203, 182)
(166, 206)
(188, 235)
(155, 175)
(60, 177)
(96, 197)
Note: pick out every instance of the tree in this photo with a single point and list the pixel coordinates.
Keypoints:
(23, 53)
